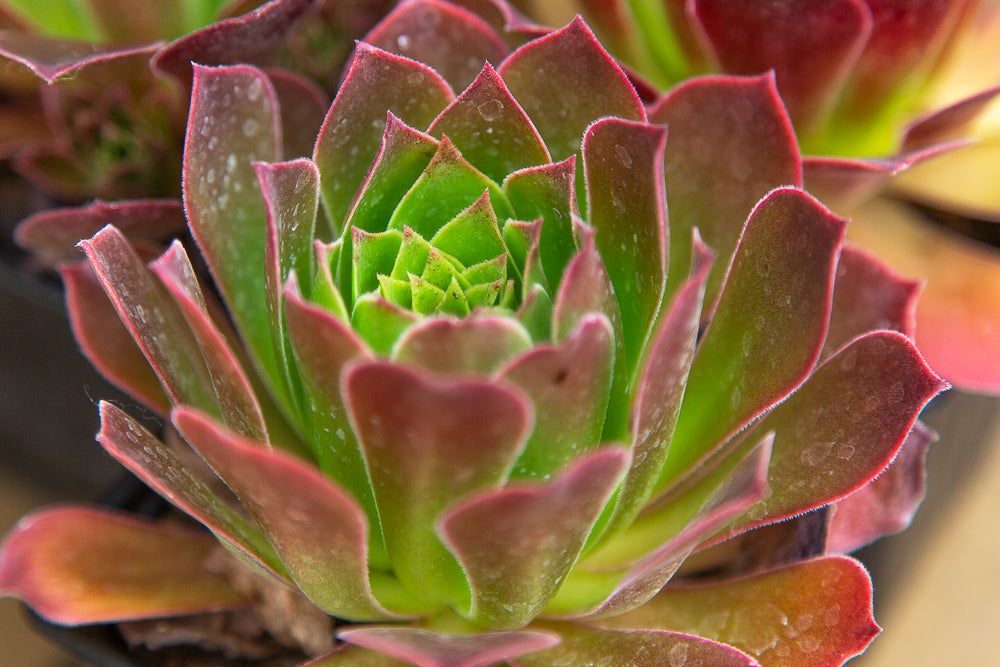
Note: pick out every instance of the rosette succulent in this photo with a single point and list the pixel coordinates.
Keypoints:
(886, 97)
(485, 396)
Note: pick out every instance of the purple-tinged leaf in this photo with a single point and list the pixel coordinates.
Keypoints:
(152, 318)
(241, 39)
(811, 614)
(585, 289)
(731, 142)
(768, 326)
(347, 655)
(164, 471)
(453, 41)
(233, 123)
(738, 489)
(448, 186)
(490, 128)
(52, 235)
(79, 565)
(843, 426)
(377, 83)
(554, 78)
(233, 391)
(868, 296)
(51, 58)
(323, 345)
(949, 123)
(476, 345)
(303, 108)
(626, 204)
(886, 504)
(429, 649)
(810, 46)
(536, 533)
(660, 387)
(569, 384)
(548, 192)
(105, 340)
(319, 531)
(633, 648)
(428, 442)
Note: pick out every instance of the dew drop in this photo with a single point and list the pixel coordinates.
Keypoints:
(808, 643)
(231, 163)
(490, 110)
(250, 127)
(210, 176)
(403, 42)
(815, 453)
(678, 655)
(623, 156)
(845, 452)
(254, 90)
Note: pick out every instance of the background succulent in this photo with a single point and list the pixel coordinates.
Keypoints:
(490, 403)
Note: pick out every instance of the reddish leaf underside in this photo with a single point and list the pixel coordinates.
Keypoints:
(77, 565)
(429, 649)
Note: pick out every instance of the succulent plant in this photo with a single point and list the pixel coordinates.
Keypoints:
(492, 400)
(886, 97)
(102, 112)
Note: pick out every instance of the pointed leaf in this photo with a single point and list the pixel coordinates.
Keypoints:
(428, 442)
(623, 162)
(429, 649)
(233, 122)
(843, 426)
(453, 41)
(491, 129)
(233, 391)
(445, 345)
(152, 318)
(53, 58)
(376, 83)
(812, 614)
(52, 234)
(569, 385)
(731, 142)
(319, 531)
(768, 326)
(165, 472)
(554, 78)
(633, 648)
(77, 565)
(105, 340)
(810, 46)
(886, 504)
(379, 323)
(535, 536)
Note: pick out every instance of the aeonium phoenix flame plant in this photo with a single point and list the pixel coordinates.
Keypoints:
(492, 400)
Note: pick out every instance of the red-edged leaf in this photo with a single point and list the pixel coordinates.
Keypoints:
(242, 39)
(485, 122)
(660, 388)
(886, 504)
(535, 536)
(626, 204)
(51, 58)
(77, 565)
(152, 318)
(52, 235)
(949, 123)
(738, 489)
(843, 426)
(452, 40)
(633, 648)
(376, 83)
(812, 614)
(569, 385)
(428, 442)
(554, 78)
(768, 326)
(810, 46)
(105, 341)
(303, 108)
(446, 345)
(868, 296)
(318, 531)
(429, 649)
(165, 471)
(731, 142)
(233, 122)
